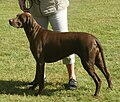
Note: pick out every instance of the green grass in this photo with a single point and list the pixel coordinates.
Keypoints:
(17, 66)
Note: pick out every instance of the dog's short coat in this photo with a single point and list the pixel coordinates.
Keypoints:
(50, 46)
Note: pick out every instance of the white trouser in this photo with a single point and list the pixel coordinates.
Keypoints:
(59, 23)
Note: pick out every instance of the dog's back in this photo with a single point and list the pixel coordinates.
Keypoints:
(58, 45)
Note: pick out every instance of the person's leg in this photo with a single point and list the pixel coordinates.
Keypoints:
(59, 23)
(43, 21)
(69, 61)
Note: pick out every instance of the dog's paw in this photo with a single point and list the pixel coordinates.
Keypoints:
(32, 86)
(109, 88)
(37, 93)
(96, 96)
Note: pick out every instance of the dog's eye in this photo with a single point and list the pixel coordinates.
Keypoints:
(18, 23)
(19, 17)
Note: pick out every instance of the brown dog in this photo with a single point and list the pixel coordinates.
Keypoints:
(49, 46)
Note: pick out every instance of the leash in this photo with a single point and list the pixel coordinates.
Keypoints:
(29, 4)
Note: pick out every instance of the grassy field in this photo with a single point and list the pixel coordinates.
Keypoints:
(17, 66)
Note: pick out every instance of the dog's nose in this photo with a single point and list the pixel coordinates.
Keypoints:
(10, 21)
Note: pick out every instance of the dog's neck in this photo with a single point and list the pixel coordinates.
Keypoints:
(32, 30)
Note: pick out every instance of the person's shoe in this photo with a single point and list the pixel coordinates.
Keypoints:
(72, 85)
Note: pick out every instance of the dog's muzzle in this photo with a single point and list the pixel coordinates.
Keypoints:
(10, 22)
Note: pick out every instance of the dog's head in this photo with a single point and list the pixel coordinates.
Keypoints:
(21, 20)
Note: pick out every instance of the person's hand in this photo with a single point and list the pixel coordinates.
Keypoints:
(23, 6)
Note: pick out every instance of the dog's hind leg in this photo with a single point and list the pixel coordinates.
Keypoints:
(89, 67)
(101, 65)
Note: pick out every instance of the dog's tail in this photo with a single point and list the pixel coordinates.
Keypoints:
(104, 70)
(101, 50)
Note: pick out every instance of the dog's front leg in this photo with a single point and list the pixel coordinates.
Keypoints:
(40, 76)
(34, 83)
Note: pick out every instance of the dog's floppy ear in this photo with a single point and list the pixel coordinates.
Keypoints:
(27, 20)
(24, 18)
(28, 17)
